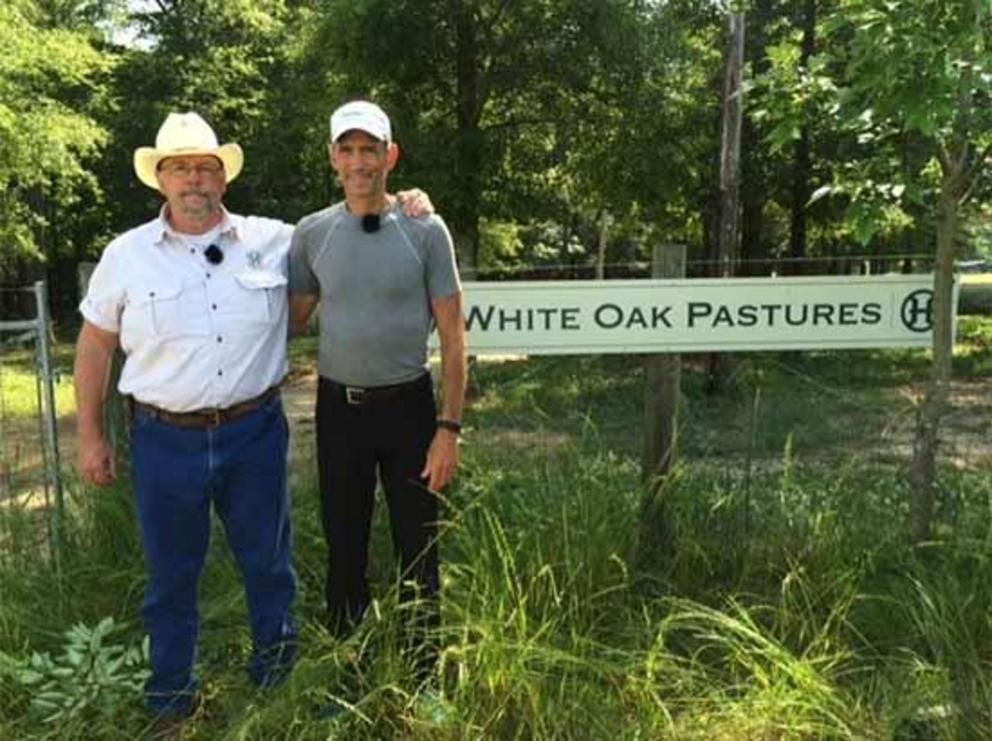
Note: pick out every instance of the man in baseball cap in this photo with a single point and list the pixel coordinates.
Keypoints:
(382, 280)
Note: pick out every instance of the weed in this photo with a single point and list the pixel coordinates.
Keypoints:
(91, 678)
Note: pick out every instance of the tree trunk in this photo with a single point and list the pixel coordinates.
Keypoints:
(468, 166)
(756, 170)
(802, 160)
(730, 148)
(754, 258)
(923, 471)
(730, 161)
(604, 230)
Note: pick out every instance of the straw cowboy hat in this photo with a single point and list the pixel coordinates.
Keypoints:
(185, 134)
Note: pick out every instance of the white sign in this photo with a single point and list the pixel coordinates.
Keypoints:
(699, 315)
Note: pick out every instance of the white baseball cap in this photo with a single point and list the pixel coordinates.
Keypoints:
(361, 115)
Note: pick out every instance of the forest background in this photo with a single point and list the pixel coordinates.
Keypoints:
(549, 132)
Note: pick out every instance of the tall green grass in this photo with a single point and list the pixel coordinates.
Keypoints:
(784, 601)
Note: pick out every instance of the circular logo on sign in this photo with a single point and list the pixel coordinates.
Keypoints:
(917, 311)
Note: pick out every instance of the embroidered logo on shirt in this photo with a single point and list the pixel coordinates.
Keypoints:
(254, 258)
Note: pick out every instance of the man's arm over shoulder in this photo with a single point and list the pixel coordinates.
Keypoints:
(415, 203)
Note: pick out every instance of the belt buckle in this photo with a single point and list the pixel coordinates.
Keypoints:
(354, 396)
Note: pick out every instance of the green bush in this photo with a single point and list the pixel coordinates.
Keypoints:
(92, 677)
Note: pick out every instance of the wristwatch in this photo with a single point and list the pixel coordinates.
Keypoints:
(450, 425)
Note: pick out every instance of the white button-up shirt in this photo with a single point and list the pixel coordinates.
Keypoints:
(195, 335)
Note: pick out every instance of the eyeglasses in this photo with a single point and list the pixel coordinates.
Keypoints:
(214, 254)
(182, 170)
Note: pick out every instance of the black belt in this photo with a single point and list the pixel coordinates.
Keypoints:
(361, 395)
(203, 418)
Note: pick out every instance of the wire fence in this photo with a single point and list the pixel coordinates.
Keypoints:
(702, 267)
(32, 507)
(31, 493)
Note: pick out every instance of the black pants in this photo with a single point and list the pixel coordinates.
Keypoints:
(392, 435)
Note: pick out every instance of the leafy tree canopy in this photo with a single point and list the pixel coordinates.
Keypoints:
(48, 76)
(914, 88)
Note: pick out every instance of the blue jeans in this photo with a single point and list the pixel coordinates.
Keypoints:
(240, 467)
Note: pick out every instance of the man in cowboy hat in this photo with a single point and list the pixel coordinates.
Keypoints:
(381, 280)
(197, 300)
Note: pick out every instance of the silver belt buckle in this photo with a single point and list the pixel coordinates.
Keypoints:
(354, 396)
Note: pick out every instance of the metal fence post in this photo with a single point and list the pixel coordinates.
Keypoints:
(53, 464)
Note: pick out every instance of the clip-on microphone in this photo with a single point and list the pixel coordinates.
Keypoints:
(214, 255)
(370, 223)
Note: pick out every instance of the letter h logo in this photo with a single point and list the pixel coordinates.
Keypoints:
(917, 311)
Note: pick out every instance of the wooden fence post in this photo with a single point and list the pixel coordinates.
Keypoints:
(662, 381)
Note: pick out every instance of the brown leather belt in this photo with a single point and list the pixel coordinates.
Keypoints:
(361, 395)
(201, 419)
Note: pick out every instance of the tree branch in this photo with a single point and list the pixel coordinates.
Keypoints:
(944, 157)
(972, 176)
(488, 29)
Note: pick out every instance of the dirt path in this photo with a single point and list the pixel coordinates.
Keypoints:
(966, 439)
(299, 394)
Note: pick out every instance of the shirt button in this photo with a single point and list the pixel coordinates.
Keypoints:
(208, 275)
(220, 373)
(219, 338)
(213, 306)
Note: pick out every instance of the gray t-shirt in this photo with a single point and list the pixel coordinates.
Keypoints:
(375, 291)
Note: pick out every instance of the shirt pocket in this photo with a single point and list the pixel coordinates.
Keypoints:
(262, 295)
(164, 310)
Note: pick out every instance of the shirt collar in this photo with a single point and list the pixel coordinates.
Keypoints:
(229, 226)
